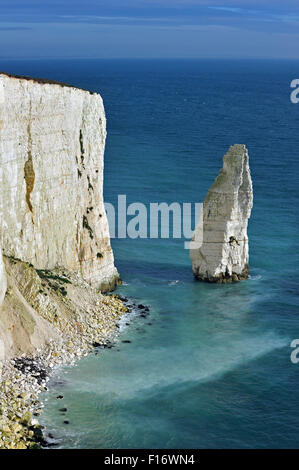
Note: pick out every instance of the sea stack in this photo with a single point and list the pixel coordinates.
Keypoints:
(219, 248)
(52, 141)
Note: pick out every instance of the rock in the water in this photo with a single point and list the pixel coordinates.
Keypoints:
(219, 248)
(52, 140)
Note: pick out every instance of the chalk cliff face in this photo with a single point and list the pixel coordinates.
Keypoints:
(219, 250)
(52, 140)
(55, 252)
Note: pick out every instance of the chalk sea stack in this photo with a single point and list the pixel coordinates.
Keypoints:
(219, 248)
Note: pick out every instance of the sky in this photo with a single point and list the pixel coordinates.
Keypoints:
(149, 29)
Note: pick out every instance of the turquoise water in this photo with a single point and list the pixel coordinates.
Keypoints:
(210, 366)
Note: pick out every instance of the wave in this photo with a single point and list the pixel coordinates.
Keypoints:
(257, 277)
(145, 371)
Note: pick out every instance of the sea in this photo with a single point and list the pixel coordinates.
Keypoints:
(210, 366)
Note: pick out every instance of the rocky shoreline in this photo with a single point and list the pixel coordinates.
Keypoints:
(83, 319)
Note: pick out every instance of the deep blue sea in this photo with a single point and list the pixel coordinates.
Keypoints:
(210, 367)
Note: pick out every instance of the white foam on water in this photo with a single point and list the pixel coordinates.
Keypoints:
(257, 277)
(164, 366)
(126, 318)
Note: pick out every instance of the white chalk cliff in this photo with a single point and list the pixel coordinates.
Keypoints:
(219, 249)
(52, 140)
(55, 252)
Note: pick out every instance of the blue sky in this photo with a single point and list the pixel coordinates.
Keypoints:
(149, 28)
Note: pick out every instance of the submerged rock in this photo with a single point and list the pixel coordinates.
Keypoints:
(219, 248)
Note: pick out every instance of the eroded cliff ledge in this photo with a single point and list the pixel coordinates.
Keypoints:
(52, 140)
(219, 250)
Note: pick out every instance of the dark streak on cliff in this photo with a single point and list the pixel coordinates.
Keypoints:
(29, 172)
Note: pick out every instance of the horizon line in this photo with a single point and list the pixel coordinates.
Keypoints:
(147, 58)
